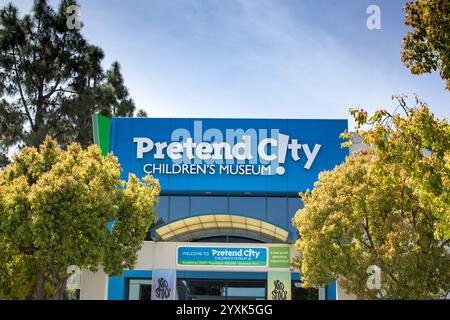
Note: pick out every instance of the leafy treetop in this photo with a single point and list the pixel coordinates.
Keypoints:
(52, 80)
(427, 47)
(55, 206)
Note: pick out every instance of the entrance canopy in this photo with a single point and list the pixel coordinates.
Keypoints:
(197, 227)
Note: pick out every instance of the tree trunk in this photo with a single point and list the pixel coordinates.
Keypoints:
(40, 286)
(60, 288)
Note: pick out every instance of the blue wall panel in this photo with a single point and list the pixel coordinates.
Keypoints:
(117, 286)
(295, 179)
(331, 291)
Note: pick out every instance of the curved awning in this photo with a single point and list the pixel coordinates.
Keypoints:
(197, 227)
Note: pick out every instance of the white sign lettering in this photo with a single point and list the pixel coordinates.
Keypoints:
(249, 152)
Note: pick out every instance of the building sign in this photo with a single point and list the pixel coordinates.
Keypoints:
(222, 256)
(193, 154)
(227, 155)
(279, 257)
(279, 286)
(163, 284)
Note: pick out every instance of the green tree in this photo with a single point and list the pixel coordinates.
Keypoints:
(415, 141)
(427, 47)
(354, 219)
(3, 160)
(51, 79)
(55, 206)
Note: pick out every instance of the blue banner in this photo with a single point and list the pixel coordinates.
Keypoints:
(222, 256)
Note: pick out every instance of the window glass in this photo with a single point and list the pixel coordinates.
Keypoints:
(294, 204)
(277, 211)
(209, 289)
(299, 293)
(219, 239)
(162, 209)
(227, 239)
(206, 205)
(139, 289)
(179, 207)
(248, 290)
(201, 289)
(235, 239)
(145, 292)
(249, 206)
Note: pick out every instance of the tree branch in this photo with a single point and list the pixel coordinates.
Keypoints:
(21, 93)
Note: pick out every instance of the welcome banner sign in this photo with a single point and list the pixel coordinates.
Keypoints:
(222, 256)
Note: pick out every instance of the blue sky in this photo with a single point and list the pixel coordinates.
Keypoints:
(256, 58)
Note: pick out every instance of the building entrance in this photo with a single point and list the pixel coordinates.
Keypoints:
(205, 289)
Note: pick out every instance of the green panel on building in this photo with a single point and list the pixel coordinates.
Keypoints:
(279, 257)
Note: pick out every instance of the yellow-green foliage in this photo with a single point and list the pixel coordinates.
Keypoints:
(54, 209)
(417, 143)
(427, 47)
(388, 206)
(352, 220)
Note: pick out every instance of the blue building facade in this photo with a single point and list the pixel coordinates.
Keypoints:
(244, 173)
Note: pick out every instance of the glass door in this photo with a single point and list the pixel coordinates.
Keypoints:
(246, 290)
(205, 289)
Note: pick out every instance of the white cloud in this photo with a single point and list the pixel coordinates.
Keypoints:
(254, 58)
